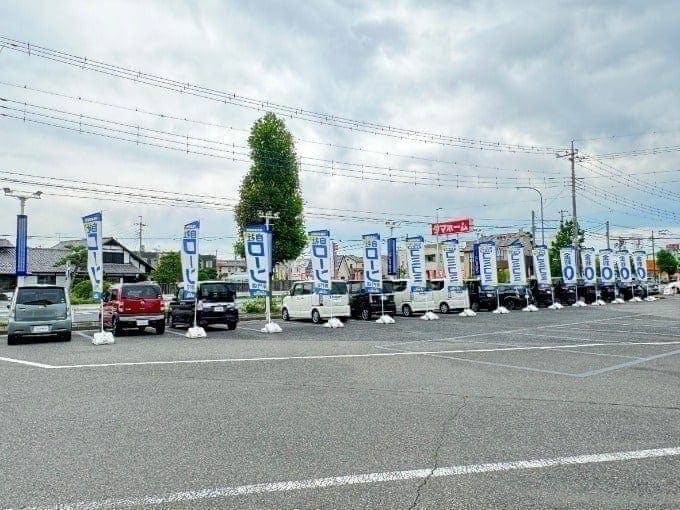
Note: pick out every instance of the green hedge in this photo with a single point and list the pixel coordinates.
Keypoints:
(257, 305)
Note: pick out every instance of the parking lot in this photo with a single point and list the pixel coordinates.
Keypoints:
(572, 408)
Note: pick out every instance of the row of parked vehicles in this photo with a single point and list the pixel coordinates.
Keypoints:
(41, 310)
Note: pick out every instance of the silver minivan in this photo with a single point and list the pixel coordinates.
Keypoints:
(37, 311)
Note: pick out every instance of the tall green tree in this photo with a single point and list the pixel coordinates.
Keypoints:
(563, 238)
(273, 185)
(169, 269)
(666, 262)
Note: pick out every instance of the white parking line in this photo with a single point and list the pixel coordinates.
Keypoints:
(355, 356)
(24, 362)
(366, 478)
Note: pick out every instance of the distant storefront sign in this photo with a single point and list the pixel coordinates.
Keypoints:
(452, 227)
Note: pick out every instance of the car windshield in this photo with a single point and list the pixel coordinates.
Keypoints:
(141, 292)
(40, 296)
(355, 287)
(390, 286)
(217, 292)
(338, 288)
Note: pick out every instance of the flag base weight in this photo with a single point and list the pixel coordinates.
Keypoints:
(530, 308)
(579, 304)
(501, 309)
(334, 322)
(196, 332)
(467, 313)
(650, 298)
(636, 299)
(556, 306)
(385, 319)
(429, 316)
(599, 302)
(618, 301)
(271, 327)
(103, 338)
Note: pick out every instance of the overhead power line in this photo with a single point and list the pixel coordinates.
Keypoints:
(132, 133)
(235, 99)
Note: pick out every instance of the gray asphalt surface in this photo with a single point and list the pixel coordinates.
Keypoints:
(217, 414)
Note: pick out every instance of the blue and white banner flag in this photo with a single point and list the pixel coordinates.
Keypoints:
(517, 265)
(452, 273)
(415, 253)
(588, 266)
(392, 256)
(568, 261)
(322, 260)
(487, 264)
(22, 245)
(257, 241)
(623, 263)
(372, 263)
(607, 266)
(95, 261)
(189, 258)
(542, 264)
(640, 260)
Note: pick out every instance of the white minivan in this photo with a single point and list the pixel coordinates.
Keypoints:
(437, 297)
(445, 299)
(302, 303)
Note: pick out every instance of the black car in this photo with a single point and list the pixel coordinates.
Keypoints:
(637, 289)
(607, 293)
(364, 304)
(511, 297)
(542, 292)
(215, 305)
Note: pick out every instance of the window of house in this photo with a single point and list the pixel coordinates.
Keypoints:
(113, 257)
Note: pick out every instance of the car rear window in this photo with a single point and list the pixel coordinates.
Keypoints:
(141, 292)
(217, 291)
(355, 287)
(338, 288)
(40, 296)
(390, 286)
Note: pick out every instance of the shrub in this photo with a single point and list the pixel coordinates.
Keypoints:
(257, 305)
(81, 293)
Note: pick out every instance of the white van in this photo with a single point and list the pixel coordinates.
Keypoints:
(407, 303)
(302, 303)
(446, 300)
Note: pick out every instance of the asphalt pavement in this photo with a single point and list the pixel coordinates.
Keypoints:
(577, 408)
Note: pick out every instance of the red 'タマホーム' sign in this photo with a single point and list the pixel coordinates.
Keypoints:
(452, 227)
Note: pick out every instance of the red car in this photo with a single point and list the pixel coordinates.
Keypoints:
(134, 305)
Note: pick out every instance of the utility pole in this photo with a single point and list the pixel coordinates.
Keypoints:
(391, 224)
(21, 265)
(141, 225)
(562, 211)
(436, 256)
(606, 224)
(571, 156)
(533, 229)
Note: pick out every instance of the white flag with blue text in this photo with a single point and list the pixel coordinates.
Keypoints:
(623, 263)
(607, 266)
(517, 265)
(321, 254)
(415, 254)
(372, 263)
(542, 264)
(488, 267)
(452, 273)
(588, 266)
(257, 242)
(640, 260)
(189, 258)
(95, 262)
(568, 261)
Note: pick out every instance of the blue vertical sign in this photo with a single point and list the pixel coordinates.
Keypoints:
(92, 224)
(321, 260)
(475, 258)
(22, 250)
(258, 246)
(392, 257)
(372, 263)
(189, 258)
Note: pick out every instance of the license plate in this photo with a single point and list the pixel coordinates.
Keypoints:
(40, 329)
(142, 322)
(218, 309)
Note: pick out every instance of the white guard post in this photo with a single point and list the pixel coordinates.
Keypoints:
(467, 312)
(555, 305)
(429, 315)
(333, 322)
(102, 337)
(383, 319)
(499, 308)
(270, 326)
(196, 331)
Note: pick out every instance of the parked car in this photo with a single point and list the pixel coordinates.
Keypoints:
(406, 302)
(134, 305)
(672, 289)
(511, 297)
(214, 305)
(302, 303)
(445, 299)
(607, 293)
(364, 304)
(39, 311)
(542, 292)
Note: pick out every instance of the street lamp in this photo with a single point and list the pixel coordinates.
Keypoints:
(541, 196)
(436, 256)
(22, 221)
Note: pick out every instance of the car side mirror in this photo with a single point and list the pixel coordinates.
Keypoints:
(291, 292)
(105, 297)
(8, 306)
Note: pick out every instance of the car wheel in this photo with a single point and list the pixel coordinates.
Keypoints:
(116, 327)
(231, 326)
(510, 304)
(160, 327)
(316, 316)
(444, 308)
(285, 315)
(12, 340)
(406, 311)
(474, 306)
(365, 314)
(65, 337)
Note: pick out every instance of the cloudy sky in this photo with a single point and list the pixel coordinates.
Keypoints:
(603, 74)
